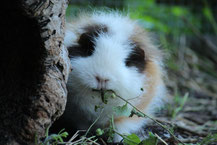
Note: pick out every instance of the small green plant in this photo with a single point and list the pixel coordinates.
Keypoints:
(54, 139)
(125, 111)
(99, 132)
(133, 139)
(212, 138)
(209, 16)
(177, 105)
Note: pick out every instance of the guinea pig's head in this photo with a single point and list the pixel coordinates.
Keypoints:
(105, 54)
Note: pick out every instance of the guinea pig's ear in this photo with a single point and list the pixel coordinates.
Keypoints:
(136, 58)
(86, 41)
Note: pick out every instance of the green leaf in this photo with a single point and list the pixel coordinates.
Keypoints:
(105, 95)
(180, 102)
(122, 110)
(132, 139)
(99, 132)
(97, 107)
(152, 140)
(111, 129)
(109, 94)
(64, 134)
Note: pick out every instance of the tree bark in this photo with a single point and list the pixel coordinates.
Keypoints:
(34, 68)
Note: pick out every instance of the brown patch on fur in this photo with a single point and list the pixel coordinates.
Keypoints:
(153, 72)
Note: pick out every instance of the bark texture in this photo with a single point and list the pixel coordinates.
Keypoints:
(34, 68)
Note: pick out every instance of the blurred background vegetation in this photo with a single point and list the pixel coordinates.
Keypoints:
(186, 30)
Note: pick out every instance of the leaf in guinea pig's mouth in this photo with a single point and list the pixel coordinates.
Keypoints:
(105, 94)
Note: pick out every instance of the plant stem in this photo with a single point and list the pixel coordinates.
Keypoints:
(113, 128)
(163, 126)
(160, 139)
(93, 123)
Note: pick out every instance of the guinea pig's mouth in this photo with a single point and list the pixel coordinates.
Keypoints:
(105, 94)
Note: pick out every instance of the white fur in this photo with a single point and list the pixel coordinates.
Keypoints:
(70, 38)
(128, 127)
(108, 62)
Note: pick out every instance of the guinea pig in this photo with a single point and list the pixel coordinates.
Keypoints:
(109, 51)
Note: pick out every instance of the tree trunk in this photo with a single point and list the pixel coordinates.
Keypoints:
(34, 68)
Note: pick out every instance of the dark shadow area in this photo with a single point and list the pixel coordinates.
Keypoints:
(21, 67)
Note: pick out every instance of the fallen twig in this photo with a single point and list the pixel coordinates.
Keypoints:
(160, 139)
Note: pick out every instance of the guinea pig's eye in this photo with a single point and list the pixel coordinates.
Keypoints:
(136, 59)
(86, 42)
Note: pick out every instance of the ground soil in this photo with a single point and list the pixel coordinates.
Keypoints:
(196, 120)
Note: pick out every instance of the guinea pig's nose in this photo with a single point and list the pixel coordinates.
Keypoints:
(101, 82)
